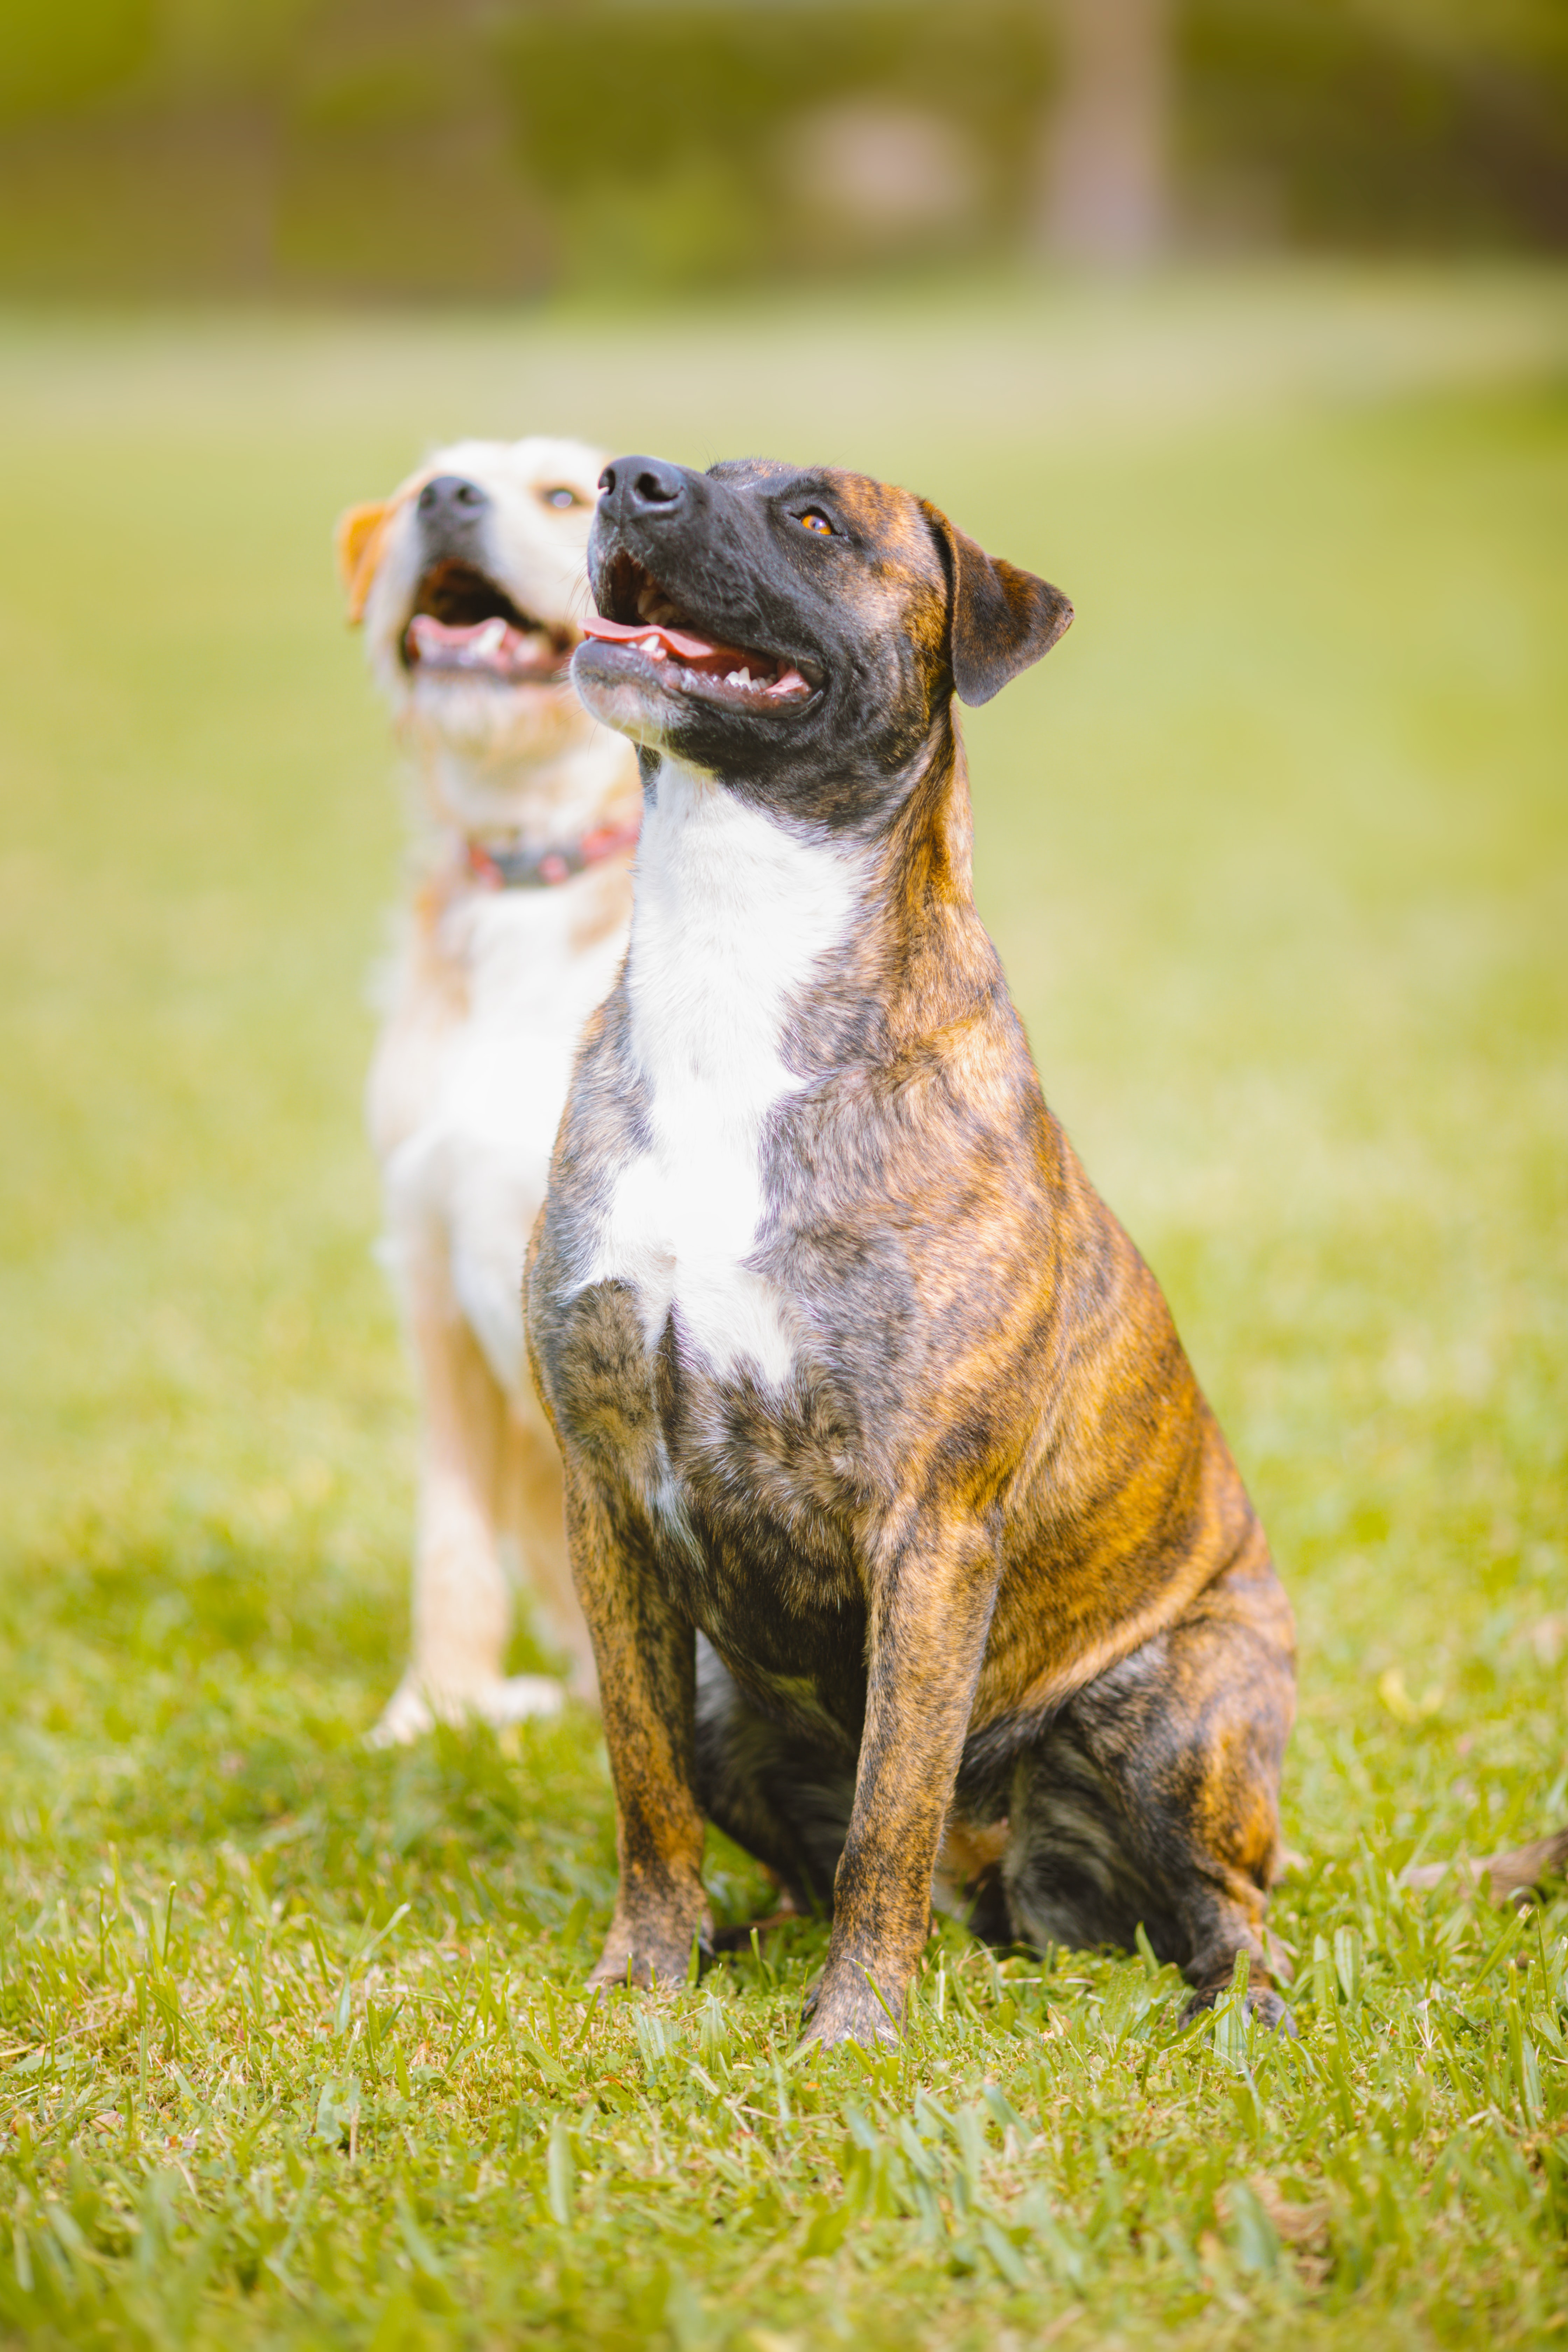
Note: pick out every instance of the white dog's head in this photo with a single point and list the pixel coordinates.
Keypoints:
(471, 583)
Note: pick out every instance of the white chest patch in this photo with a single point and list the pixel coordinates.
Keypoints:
(732, 917)
(469, 1155)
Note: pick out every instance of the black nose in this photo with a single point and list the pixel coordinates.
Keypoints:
(449, 499)
(643, 485)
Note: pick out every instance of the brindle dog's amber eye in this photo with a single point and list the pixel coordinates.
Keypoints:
(560, 496)
(814, 520)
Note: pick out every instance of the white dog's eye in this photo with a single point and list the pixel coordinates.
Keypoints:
(560, 496)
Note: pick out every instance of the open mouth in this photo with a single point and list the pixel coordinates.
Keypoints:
(649, 624)
(463, 622)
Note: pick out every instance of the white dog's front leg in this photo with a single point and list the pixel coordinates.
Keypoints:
(462, 1604)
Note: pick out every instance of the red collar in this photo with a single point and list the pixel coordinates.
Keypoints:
(545, 869)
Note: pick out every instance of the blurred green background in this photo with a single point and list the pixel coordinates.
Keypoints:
(447, 148)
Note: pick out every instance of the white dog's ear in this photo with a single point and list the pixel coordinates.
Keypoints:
(357, 538)
(1000, 619)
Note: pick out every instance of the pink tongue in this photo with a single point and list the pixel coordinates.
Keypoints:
(699, 651)
(492, 644)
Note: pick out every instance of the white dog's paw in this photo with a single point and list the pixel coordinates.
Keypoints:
(523, 1696)
(406, 1717)
(415, 1707)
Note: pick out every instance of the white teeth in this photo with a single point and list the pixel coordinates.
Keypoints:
(653, 646)
(491, 638)
(738, 678)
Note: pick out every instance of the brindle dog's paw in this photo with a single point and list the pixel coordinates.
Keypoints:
(1262, 2002)
(844, 2005)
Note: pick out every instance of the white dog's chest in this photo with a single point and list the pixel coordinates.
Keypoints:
(498, 1079)
(733, 914)
(468, 1154)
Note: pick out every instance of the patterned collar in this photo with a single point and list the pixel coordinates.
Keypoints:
(544, 869)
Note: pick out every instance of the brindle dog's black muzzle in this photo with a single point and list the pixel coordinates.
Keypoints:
(703, 644)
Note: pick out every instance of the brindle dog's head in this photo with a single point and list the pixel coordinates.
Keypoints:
(799, 633)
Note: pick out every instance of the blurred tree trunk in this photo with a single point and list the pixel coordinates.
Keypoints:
(1104, 199)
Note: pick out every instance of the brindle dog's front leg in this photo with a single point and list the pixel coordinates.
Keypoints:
(646, 1653)
(929, 1616)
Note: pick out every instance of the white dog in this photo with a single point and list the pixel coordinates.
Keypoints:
(470, 583)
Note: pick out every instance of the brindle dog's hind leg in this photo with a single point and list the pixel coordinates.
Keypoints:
(1152, 1798)
(784, 1795)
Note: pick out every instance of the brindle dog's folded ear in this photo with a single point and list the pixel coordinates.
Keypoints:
(1000, 619)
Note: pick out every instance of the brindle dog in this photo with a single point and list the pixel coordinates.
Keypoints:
(893, 1504)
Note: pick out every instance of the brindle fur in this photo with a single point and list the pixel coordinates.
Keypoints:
(984, 1562)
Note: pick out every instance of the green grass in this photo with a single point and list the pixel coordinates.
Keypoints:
(1275, 849)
